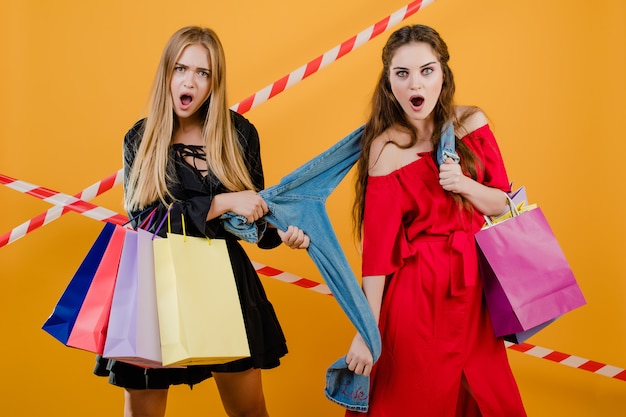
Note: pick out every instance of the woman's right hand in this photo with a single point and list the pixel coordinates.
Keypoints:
(248, 204)
(359, 357)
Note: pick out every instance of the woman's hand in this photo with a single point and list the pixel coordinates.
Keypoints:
(488, 200)
(359, 357)
(451, 177)
(245, 203)
(294, 238)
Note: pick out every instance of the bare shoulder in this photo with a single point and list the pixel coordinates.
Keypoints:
(385, 157)
(470, 119)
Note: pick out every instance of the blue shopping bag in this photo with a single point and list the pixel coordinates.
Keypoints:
(61, 321)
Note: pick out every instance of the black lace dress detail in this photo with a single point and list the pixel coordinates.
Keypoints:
(192, 153)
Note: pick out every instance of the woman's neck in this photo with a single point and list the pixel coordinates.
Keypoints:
(188, 132)
(424, 129)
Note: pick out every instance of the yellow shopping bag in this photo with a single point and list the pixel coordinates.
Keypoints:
(200, 316)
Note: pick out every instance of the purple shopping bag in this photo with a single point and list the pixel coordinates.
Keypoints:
(527, 280)
(133, 334)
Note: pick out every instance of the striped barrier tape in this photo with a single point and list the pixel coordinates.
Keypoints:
(64, 200)
(329, 57)
(569, 360)
(99, 213)
(526, 348)
(55, 212)
(270, 272)
(254, 100)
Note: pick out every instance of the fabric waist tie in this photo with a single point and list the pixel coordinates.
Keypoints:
(460, 265)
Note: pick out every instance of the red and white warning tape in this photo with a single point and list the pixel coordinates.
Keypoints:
(329, 57)
(268, 271)
(102, 214)
(526, 348)
(569, 360)
(64, 200)
(254, 100)
(55, 212)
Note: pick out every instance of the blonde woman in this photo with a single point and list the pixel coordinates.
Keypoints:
(194, 153)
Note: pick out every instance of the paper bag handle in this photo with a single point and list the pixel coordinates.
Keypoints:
(512, 208)
(167, 216)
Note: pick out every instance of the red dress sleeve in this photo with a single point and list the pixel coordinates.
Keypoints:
(493, 173)
(383, 230)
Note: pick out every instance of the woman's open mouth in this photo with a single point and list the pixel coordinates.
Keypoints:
(416, 101)
(186, 99)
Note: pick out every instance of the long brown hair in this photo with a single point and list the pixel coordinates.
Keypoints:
(149, 175)
(387, 112)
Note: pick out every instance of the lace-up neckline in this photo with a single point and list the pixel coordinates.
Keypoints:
(190, 154)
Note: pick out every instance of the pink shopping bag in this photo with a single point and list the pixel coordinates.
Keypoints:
(527, 279)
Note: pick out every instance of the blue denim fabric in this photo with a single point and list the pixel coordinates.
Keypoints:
(300, 199)
(447, 148)
(239, 226)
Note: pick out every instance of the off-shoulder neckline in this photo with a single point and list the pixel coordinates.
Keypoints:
(422, 155)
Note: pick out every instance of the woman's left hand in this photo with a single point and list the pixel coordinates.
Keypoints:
(451, 176)
(294, 238)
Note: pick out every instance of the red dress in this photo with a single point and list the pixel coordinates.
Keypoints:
(434, 323)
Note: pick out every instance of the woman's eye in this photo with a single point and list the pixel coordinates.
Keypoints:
(402, 73)
(204, 74)
(179, 69)
(427, 71)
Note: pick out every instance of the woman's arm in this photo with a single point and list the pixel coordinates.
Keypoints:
(245, 203)
(489, 201)
(359, 357)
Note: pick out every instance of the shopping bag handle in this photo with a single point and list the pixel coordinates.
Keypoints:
(512, 208)
(148, 221)
(167, 216)
(169, 225)
(149, 218)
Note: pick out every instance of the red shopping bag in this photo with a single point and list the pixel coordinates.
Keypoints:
(527, 280)
(90, 328)
(61, 322)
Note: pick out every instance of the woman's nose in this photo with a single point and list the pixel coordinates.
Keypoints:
(188, 81)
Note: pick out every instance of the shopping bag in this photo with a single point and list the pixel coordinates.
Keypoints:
(522, 336)
(133, 331)
(89, 331)
(519, 201)
(527, 280)
(60, 323)
(200, 316)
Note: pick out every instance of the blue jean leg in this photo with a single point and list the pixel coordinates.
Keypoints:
(300, 199)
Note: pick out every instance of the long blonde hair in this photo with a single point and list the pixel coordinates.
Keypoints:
(149, 175)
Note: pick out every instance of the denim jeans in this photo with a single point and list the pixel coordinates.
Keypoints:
(300, 199)
(447, 148)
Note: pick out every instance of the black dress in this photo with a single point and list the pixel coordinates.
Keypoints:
(194, 191)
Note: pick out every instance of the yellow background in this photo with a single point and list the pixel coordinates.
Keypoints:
(75, 76)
